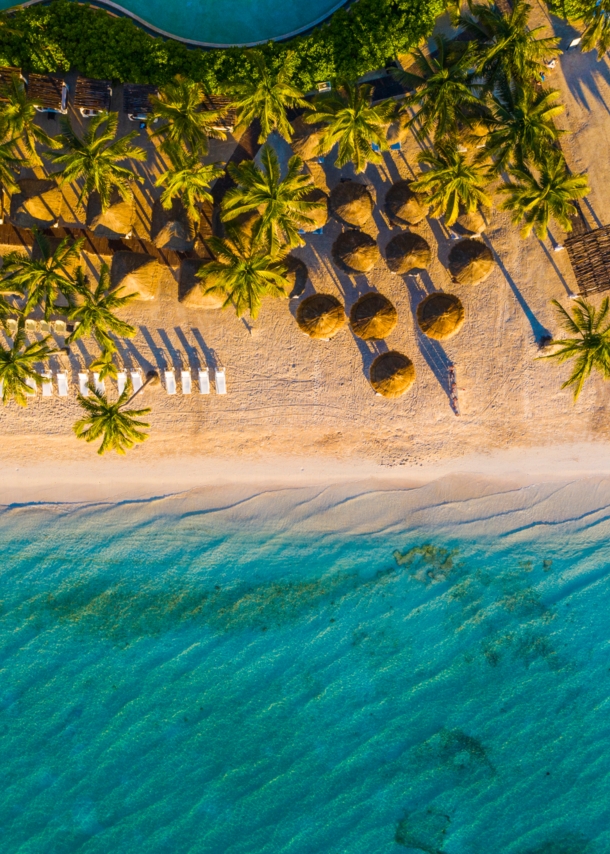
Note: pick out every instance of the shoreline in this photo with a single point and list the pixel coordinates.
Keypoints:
(92, 479)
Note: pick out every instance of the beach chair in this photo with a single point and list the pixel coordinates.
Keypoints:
(30, 325)
(62, 383)
(396, 146)
(204, 381)
(31, 383)
(170, 381)
(121, 381)
(12, 325)
(60, 327)
(47, 384)
(185, 380)
(98, 384)
(136, 381)
(221, 381)
(376, 147)
(45, 327)
(83, 383)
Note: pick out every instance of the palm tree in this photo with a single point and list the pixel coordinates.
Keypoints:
(445, 89)
(522, 126)
(278, 200)
(509, 50)
(597, 27)
(117, 426)
(17, 366)
(95, 158)
(266, 96)
(104, 365)
(10, 164)
(244, 272)
(536, 198)
(452, 183)
(187, 180)
(353, 123)
(18, 120)
(94, 310)
(41, 279)
(185, 120)
(590, 344)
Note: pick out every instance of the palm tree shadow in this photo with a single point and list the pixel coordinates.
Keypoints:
(560, 275)
(436, 358)
(539, 331)
(581, 78)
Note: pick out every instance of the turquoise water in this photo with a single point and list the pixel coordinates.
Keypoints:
(228, 23)
(174, 680)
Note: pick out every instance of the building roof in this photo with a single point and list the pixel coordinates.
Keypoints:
(6, 73)
(135, 98)
(47, 92)
(220, 102)
(589, 253)
(92, 94)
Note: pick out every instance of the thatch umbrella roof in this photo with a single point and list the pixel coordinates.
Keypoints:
(392, 374)
(470, 223)
(373, 317)
(38, 202)
(172, 229)
(408, 251)
(397, 132)
(137, 273)
(191, 288)
(352, 203)
(470, 262)
(403, 205)
(440, 315)
(318, 215)
(321, 316)
(116, 221)
(297, 274)
(305, 138)
(356, 250)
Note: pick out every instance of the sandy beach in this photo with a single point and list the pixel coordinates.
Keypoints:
(301, 410)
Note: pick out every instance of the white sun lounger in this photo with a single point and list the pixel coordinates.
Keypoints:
(170, 381)
(204, 381)
(121, 381)
(83, 383)
(185, 379)
(47, 384)
(221, 381)
(31, 383)
(99, 385)
(62, 383)
(136, 381)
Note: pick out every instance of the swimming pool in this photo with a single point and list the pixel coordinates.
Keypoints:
(232, 22)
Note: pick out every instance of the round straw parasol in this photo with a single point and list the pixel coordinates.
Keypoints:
(470, 262)
(305, 138)
(470, 223)
(351, 202)
(392, 374)
(407, 252)
(321, 316)
(356, 250)
(403, 205)
(318, 215)
(297, 274)
(373, 317)
(440, 316)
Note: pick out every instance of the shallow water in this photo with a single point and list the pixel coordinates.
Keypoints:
(305, 679)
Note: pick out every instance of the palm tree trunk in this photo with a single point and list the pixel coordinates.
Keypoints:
(152, 378)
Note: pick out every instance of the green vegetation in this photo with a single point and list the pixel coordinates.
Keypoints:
(95, 309)
(117, 426)
(18, 365)
(180, 118)
(17, 120)
(187, 180)
(452, 183)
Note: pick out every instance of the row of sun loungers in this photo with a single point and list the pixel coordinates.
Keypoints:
(59, 327)
(62, 382)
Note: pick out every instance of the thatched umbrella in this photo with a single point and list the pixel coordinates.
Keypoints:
(470, 223)
(357, 251)
(397, 132)
(116, 221)
(373, 317)
(191, 290)
(318, 215)
(470, 262)
(172, 229)
(321, 316)
(136, 273)
(440, 315)
(352, 203)
(297, 274)
(408, 251)
(403, 205)
(305, 138)
(392, 374)
(38, 203)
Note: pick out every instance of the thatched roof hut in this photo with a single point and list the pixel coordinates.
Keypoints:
(470, 262)
(397, 132)
(116, 221)
(407, 252)
(470, 223)
(136, 273)
(373, 317)
(351, 203)
(318, 215)
(297, 274)
(191, 290)
(392, 374)
(37, 203)
(403, 206)
(173, 228)
(440, 315)
(305, 138)
(321, 316)
(356, 251)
